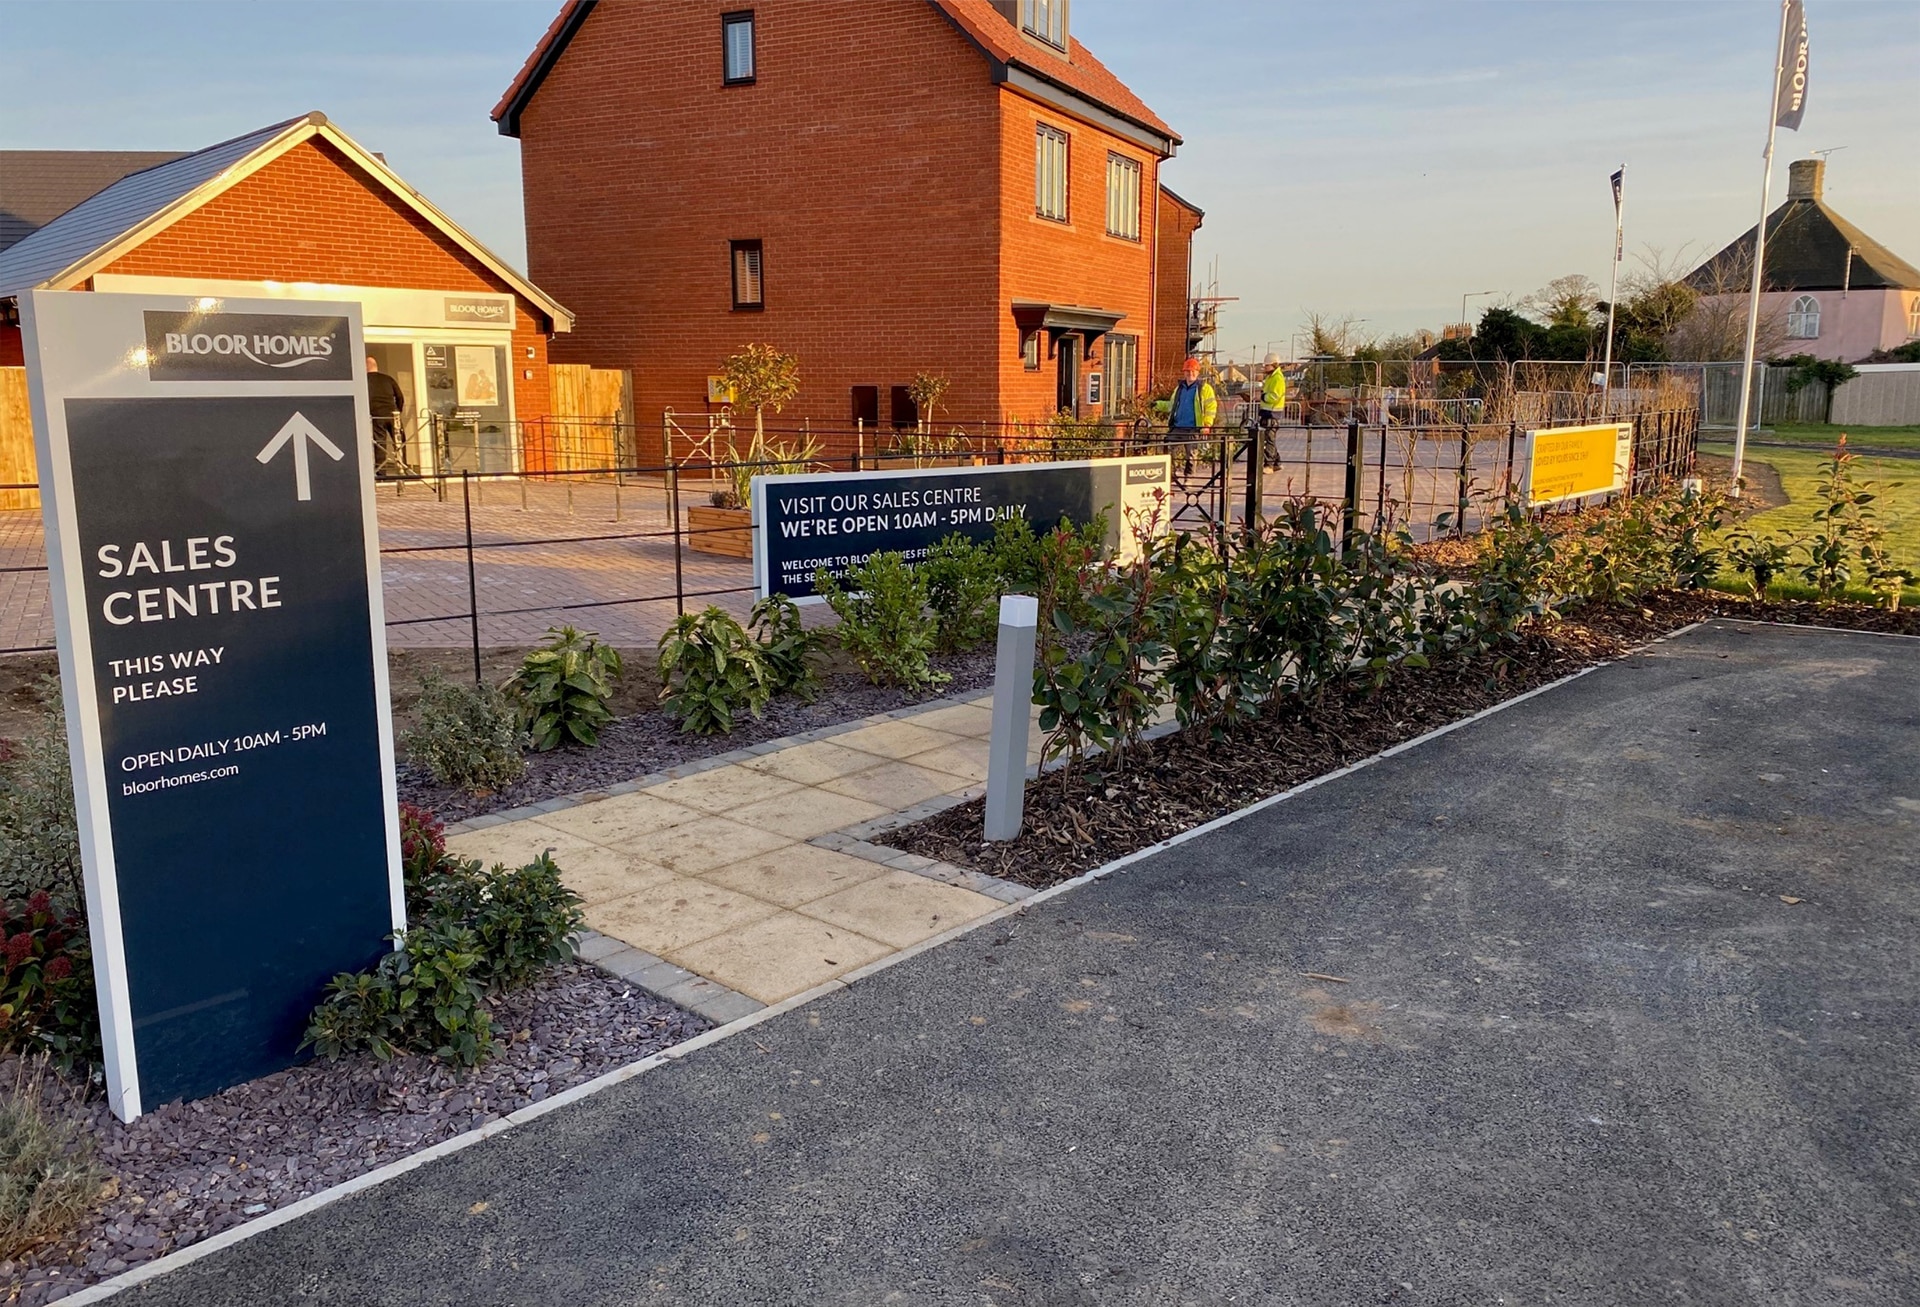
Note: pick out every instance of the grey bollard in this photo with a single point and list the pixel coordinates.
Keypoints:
(1012, 693)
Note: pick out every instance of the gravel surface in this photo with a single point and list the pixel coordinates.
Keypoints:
(189, 1170)
(649, 741)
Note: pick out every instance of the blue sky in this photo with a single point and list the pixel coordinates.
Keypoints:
(1368, 158)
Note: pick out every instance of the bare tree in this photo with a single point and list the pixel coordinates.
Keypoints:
(1566, 301)
(1715, 327)
(1330, 337)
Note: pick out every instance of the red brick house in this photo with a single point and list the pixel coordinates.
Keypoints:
(898, 186)
(299, 210)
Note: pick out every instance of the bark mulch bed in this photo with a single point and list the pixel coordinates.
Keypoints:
(647, 740)
(189, 1170)
(1081, 819)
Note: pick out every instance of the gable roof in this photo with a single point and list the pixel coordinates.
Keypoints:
(37, 186)
(1809, 247)
(1077, 73)
(98, 230)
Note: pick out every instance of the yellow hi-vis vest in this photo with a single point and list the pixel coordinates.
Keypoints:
(1273, 391)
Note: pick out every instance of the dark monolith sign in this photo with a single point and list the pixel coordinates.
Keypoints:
(207, 487)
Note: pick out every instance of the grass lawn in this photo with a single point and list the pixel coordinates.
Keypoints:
(1898, 506)
(1822, 436)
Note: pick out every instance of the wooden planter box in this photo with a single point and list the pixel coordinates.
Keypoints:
(724, 531)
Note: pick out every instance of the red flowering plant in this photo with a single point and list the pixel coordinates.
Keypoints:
(423, 853)
(46, 982)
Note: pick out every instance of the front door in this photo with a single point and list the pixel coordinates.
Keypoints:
(1066, 352)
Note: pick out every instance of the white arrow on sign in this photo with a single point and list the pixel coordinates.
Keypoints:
(298, 431)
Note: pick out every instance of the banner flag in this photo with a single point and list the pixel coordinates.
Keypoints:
(1790, 98)
(1619, 229)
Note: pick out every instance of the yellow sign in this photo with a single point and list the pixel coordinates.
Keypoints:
(1568, 462)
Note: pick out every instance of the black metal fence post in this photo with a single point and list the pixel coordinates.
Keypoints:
(1466, 480)
(473, 583)
(1256, 468)
(673, 514)
(1513, 436)
(1380, 494)
(1350, 508)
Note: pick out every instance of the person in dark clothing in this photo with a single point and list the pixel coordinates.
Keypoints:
(385, 404)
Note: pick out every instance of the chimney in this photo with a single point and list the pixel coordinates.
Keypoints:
(1806, 179)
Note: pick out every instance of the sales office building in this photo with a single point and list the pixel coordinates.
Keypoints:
(300, 211)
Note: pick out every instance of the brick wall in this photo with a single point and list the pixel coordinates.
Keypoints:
(1174, 270)
(1075, 262)
(311, 215)
(864, 157)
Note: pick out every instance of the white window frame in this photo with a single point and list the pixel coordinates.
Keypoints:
(1913, 318)
(1052, 163)
(1124, 177)
(1121, 358)
(1045, 19)
(1803, 319)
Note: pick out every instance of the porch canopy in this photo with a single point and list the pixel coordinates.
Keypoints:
(1059, 319)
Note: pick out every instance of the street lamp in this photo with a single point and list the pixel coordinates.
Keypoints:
(1472, 294)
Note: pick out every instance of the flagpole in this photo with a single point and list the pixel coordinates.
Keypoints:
(1759, 255)
(1613, 287)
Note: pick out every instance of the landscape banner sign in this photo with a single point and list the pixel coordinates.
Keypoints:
(214, 564)
(836, 520)
(1571, 462)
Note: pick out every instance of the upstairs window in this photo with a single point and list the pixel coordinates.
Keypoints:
(1123, 197)
(1803, 319)
(1913, 318)
(749, 290)
(1046, 19)
(1050, 173)
(736, 47)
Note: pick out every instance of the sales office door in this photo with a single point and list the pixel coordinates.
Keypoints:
(470, 406)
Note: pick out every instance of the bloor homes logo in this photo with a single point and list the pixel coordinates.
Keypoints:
(247, 347)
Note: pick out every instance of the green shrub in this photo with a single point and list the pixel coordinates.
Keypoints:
(711, 671)
(523, 917)
(1382, 602)
(1760, 560)
(963, 588)
(1511, 580)
(789, 649)
(46, 982)
(425, 996)
(1098, 682)
(565, 688)
(1847, 539)
(1688, 522)
(884, 622)
(39, 837)
(466, 735)
(49, 1181)
(474, 932)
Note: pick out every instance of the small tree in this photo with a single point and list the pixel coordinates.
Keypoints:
(1830, 373)
(926, 388)
(762, 378)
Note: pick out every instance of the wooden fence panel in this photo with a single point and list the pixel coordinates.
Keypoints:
(1879, 399)
(590, 412)
(17, 466)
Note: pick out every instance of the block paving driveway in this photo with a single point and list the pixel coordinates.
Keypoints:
(1585, 1052)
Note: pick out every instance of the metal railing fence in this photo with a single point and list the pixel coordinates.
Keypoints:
(638, 521)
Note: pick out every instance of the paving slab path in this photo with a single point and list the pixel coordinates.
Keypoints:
(1586, 1052)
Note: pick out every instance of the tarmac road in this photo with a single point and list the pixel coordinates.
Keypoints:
(1585, 1054)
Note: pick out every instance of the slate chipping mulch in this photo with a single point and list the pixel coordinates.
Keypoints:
(649, 741)
(189, 1170)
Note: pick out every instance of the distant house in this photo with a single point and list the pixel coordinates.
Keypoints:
(297, 210)
(1839, 293)
(898, 186)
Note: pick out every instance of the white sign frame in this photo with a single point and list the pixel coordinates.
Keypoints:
(1622, 463)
